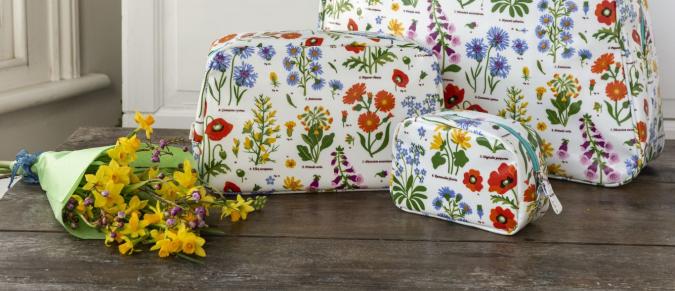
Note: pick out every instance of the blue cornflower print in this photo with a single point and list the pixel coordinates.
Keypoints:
(568, 53)
(567, 23)
(566, 37)
(572, 6)
(446, 193)
(437, 203)
(292, 50)
(466, 208)
(540, 31)
(498, 38)
(546, 19)
(288, 64)
(465, 123)
(520, 46)
(267, 52)
(336, 85)
(318, 84)
(270, 180)
(244, 75)
(421, 131)
(544, 45)
(220, 61)
(476, 49)
(314, 53)
(244, 52)
(542, 5)
(293, 79)
(631, 165)
(585, 55)
(499, 66)
(316, 68)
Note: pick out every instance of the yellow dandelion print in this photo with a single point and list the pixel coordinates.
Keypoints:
(461, 138)
(547, 149)
(395, 7)
(437, 143)
(541, 126)
(293, 184)
(396, 27)
(290, 163)
(289, 128)
(540, 93)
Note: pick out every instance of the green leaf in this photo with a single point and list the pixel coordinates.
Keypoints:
(333, 66)
(583, 37)
(290, 101)
(460, 159)
(553, 116)
(438, 160)
(575, 108)
(327, 141)
(452, 69)
(303, 152)
(362, 140)
(540, 67)
(307, 140)
(481, 140)
(385, 141)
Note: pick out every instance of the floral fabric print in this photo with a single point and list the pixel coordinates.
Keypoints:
(308, 111)
(469, 168)
(555, 65)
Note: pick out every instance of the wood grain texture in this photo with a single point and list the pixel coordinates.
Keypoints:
(605, 239)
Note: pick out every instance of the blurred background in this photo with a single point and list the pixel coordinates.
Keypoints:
(63, 63)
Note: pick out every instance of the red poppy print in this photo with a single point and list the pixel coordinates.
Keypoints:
(503, 218)
(400, 78)
(530, 194)
(231, 188)
(218, 129)
(504, 179)
(196, 137)
(314, 41)
(352, 26)
(476, 107)
(356, 47)
(605, 11)
(473, 180)
(452, 96)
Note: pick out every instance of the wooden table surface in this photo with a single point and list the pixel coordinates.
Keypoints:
(605, 239)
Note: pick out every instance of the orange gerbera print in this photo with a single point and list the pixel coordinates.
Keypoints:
(504, 179)
(641, 128)
(385, 101)
(530, 194)
(473, 180)
(602, 63)
(616, 91)
(503, 218)
(290, 35)
(369, 122)
(355, 93)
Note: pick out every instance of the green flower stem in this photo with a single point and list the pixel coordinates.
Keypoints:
(234, 58)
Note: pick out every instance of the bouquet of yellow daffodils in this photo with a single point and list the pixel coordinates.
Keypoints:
(131, 194)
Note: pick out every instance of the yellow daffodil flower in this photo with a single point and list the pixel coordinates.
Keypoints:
(109, 199)
(156, 216)
(135, 204)
(190, 242)
(186, 178)
(97, 181)
(145, 123)
(237, 209)
(119, 174)
(127, 248)
(135, 227)
(165, 243)
(169, 191)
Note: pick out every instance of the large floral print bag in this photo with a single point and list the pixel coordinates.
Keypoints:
(583, 73)
(471, 168)
(307, 110)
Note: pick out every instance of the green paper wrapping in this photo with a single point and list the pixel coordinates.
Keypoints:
(60, 173)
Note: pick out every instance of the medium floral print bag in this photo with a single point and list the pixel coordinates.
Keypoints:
(582, 73)
(308, 111)
(471, 168)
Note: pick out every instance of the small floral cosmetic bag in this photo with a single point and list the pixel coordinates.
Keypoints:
(473, 169)
(308, 110)
(583, 73)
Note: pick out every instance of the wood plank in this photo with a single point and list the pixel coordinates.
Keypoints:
(54, 260)
(635, 214)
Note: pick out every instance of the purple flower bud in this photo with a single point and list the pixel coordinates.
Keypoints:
(186, 149)
(120, 224)
(157, 187)
(170, 222)
(162, 143)
(88, 201)
(105, 193)
(113, 235)
(200, 210)
(202, 224)
(121, 214)
(70, 206)
(192, 224)
(155, 159)
(196, 196)
(175, 211)
(160, 176)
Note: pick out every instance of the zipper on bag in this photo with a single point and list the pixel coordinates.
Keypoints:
(543, 185)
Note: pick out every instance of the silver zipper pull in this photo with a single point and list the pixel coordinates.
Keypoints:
(546, 189)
